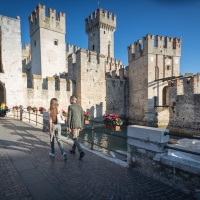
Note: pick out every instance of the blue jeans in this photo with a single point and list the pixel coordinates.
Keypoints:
(56, 133)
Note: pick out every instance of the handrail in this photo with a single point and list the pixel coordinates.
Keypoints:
(21, 116)
(182, 150)
(183, 135)
(90, 142)
(110, 134)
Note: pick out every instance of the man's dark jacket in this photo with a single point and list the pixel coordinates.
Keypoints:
(75, 117)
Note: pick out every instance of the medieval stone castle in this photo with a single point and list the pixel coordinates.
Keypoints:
(149, 91)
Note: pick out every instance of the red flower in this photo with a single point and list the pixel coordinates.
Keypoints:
(86, 113)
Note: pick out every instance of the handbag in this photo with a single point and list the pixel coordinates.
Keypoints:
(59, 119)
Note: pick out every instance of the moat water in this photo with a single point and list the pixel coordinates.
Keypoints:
(109, 141)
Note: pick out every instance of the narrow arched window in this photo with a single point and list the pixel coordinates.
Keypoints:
(166, 96)
(109, 49)
(156, 73)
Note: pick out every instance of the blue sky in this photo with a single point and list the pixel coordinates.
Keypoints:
(135, 19)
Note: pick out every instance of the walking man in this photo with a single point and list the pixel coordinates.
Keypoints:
(75, 122)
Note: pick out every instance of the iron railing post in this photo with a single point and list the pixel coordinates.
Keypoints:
(36, 117)
(29, 115)
(92, 142)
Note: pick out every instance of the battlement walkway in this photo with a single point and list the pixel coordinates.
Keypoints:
(27, 171)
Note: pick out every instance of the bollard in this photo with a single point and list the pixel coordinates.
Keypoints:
(92, 142)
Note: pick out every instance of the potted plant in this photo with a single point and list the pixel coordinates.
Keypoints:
(29, 108)
(86, 117)
(34, 109)
(42, 109)
(112, 121)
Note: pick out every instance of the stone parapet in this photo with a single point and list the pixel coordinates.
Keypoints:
(148, 154)
(38, 19)
(154, 45)
(101, 18)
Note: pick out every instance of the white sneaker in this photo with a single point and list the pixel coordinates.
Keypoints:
(52, 154)
(65, 156)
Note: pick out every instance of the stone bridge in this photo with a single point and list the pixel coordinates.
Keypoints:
(27, 171)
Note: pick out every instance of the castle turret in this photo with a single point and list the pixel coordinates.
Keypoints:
(47, 42)
(151, 60)
(100, 27)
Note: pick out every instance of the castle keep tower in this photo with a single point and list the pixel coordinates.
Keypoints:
(149, 96)
(100, 27)
(47, 42)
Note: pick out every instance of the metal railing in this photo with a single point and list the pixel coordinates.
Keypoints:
(92, 144)
(19, 115)
(182, 136)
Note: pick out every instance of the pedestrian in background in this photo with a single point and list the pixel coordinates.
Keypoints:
(55, 128)
(3, 108)
(75, 121)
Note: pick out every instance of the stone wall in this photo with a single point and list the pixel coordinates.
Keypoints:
(90, 82)
(11, 56)
(148, 155)
(116, 96)
(184, 95)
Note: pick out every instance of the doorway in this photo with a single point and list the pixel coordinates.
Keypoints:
(2, 92)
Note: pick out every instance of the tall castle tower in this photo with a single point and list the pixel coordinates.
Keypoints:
(100, 27)
(48, 48)
(149, 69)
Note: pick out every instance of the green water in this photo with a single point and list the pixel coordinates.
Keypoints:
(102, 139)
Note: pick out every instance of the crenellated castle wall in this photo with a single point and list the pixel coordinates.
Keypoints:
(36, 96)
(100, 18)
(100, 81)
(184, 97)
(38, 19)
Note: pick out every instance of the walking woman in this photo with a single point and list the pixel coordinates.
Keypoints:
(55, 128)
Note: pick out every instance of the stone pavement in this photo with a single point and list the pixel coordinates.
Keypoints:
(27, 171)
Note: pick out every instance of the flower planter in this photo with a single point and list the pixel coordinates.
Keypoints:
(41, 112)
(112, 127)
(86, 121)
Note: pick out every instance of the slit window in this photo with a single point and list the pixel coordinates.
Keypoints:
(34, 42)
(93, 47)
(56, 42)
(168, 67)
